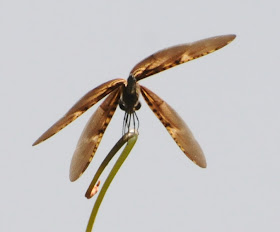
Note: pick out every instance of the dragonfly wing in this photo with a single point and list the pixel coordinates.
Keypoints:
(81, 106)
(175, 126)
(179, 54)
(92, 135)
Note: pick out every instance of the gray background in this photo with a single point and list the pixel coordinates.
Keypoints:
(53, 52)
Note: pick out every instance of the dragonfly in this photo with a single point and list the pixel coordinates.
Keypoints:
(125, 94)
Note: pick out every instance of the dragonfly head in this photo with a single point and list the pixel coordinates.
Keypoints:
(129, 100)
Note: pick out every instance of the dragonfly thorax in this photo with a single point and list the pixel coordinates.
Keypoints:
(129, 100)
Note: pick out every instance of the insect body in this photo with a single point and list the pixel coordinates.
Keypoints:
(125, 93)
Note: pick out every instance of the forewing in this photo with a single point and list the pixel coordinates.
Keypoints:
(175, 126)
(179, 54)
(92, 135)
(80, 107)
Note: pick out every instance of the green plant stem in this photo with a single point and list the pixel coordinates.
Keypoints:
(105, 162)
(130, 138)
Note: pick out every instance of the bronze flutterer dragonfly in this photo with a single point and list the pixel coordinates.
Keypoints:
(125, 93)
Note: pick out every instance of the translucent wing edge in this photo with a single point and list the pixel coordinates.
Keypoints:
(175, 55)
(176, 127)
(87, 101)
(92, 135)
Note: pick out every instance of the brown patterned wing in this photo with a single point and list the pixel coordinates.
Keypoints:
(175, 126)
(80, 107)
(179, 54)
(92, 135)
